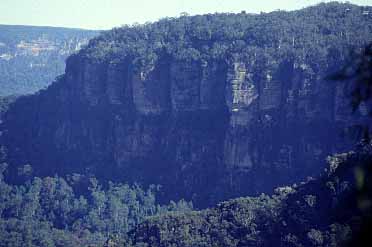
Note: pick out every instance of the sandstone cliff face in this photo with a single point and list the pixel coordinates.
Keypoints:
(203, 128)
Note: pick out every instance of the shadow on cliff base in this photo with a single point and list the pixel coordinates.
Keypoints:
(357, 78)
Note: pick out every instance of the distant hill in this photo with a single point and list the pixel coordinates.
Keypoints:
(31, 57)
(206, 108)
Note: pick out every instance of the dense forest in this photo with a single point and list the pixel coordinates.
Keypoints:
(151, 123)
(31, 57)
(76, 211)
(327, 211)
(334, 209)
(325, 30)
(207, 106)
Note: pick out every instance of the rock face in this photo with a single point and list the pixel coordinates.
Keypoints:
(204, 129)
(198, 129)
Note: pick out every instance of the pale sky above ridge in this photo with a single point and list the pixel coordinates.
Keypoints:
(106, 14)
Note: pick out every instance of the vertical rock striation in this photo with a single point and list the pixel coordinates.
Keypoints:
(205, 129)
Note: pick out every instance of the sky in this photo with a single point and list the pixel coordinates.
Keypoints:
(106, 14)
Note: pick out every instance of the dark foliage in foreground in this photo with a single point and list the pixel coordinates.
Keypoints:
(53, 211)
(334, 210)
(50, 211)
(319, 212)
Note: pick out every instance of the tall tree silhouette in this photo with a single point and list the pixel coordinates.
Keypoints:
(357, 75)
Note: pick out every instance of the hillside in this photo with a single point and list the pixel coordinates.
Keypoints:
(333, 210)
(211, 107)
(31, 57)
(329, 211)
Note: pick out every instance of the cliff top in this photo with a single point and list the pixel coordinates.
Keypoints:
(217, 36)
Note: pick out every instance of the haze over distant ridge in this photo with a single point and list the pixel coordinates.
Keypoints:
(98, 14)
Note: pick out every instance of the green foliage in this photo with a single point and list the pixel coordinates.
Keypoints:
(48, 212)
(318, 212)
(234, 223)
(319, 35)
